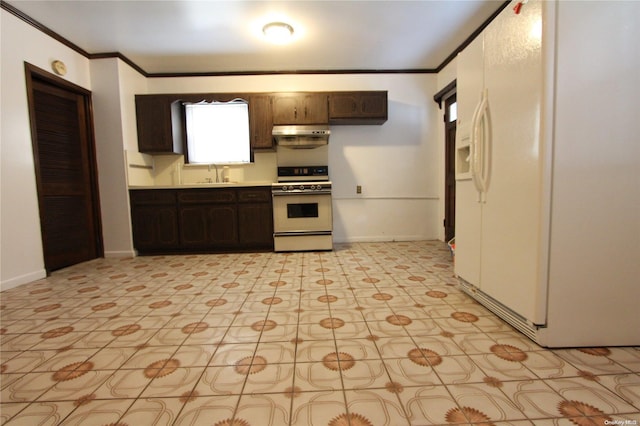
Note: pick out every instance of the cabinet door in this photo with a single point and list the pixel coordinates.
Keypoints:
(315, 108)
(358, 107)
(223, 225)
(208, 226)
(300, 108)
(156, 124)
(261, 122)
(255, 217)
(154, 227)
(255, 223)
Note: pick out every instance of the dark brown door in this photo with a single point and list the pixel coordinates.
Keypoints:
(450, 167)
(64, 155)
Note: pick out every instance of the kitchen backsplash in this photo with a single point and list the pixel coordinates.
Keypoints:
(166, 170)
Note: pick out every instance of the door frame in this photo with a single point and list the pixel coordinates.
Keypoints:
(32, 73)
(450, 167)
(448, 96)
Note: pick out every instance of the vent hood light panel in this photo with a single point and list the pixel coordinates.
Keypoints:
(300, 137)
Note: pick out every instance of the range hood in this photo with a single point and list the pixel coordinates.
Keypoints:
(302, 136)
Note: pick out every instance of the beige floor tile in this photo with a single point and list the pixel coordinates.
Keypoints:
(501, 369)
(317, 376)
(264, 409)
(74, 385)
(221, 380)
(407, 372)
(595, 398)
(123, 384)
(429, 405)
(378, 406)
(229, 354)
(317, 408)
(269, 378)
(28, 387)
(534, 398)
(37, 413)
(458, 369)
(370, 333)
(173, 382)
(491, 402)
(362, 374)
(626, 386)
(96, 412)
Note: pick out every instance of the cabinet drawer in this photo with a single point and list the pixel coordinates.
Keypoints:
(152, 197)
(257, 195)
(207, 196)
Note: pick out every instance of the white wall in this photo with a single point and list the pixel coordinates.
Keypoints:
(20, 239)
(113, 86)
(397, 164)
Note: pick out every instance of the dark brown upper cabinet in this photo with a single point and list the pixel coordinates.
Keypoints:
(300, 108)
(260, 122)
(160, 124)
(358, 107)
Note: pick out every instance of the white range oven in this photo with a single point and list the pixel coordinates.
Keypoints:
(302, 209)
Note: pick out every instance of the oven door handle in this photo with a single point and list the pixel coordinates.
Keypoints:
(300, 233)
(279, 192)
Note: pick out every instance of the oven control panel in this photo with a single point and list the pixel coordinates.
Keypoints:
(311, 173)
(286, 188)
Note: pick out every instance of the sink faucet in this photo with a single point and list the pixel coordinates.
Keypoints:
(216, 168)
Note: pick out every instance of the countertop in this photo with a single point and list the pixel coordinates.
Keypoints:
(206, 185)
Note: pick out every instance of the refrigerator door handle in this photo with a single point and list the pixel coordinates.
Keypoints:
(474, 151)
(487, 139)
(478, 142)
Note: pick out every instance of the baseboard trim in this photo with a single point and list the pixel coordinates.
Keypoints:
(22, 279)
(381, 239)
(120, 254)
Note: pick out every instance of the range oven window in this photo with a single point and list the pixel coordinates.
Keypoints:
(300, 210)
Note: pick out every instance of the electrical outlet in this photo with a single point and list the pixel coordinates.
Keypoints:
(358, 189)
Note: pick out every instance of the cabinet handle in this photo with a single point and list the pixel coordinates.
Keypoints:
(295, 112)
(305, 112)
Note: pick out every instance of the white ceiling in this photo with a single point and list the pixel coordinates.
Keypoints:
(180, 36)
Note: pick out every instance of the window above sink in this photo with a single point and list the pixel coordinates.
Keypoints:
(217, 132)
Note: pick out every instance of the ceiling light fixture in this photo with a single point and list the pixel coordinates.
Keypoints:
(278, 32)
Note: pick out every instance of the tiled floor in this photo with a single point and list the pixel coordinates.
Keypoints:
(369, 334)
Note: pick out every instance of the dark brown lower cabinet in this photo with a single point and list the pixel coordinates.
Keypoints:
(208, 226)
(255, 223)
(201, 220)
(155, 228)
(154, 219)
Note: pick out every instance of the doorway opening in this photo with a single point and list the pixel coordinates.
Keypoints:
(448, 97)
(65, 167)
(450, 119)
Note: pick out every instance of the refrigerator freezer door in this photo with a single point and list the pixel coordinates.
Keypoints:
(512, 210)
(470, 82)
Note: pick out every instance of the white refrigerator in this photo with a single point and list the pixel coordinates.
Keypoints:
(548, 171)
